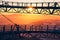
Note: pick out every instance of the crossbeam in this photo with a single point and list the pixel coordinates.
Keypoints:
(27, 7)
(34, 4)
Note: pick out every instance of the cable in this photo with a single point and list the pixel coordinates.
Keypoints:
(7, 18)
(11, 21)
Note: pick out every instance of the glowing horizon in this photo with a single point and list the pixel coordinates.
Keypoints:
(29, 19)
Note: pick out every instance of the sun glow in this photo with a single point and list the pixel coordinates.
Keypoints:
(30, 8)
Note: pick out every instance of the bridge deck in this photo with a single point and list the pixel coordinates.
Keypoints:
(27, 7)
(43, 5)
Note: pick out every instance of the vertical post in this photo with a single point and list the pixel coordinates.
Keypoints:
(48, 4)
(17, 8)
(11, 28)
(17, 27)
(31, 28)
(6, 4)
(4, 28)
(55, 4)
(42, 4)
(36, 4)
(37, 8)
(12, 3)
(25, 27)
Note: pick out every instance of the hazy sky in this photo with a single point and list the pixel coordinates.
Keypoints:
(33, 0)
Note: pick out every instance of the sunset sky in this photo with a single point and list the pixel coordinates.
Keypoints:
(29, 18)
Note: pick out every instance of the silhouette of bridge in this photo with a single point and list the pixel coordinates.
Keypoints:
(17, 32)
(40, 7)
(21, 32)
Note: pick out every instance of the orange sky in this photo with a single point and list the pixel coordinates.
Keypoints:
(29, 19)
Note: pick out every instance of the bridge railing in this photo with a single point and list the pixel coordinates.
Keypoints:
(35, 4)
(4, 28)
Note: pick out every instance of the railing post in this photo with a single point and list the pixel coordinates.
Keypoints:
(11, 28)
(4, 28)
(42, 4)
(36, 4)
(17, 27)
(55, 4)
(25, 27)
(17, 8)
(12, 3)
(31, 28)
(48, 4)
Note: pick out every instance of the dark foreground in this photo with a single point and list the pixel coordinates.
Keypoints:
(17, 32)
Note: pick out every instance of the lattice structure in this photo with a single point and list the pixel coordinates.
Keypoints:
(39, 8)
